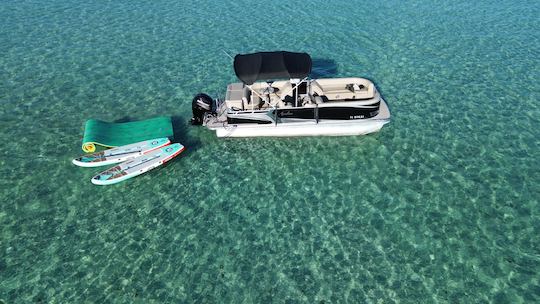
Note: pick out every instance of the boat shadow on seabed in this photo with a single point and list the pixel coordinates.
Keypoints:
(323, 68)
(181, 135)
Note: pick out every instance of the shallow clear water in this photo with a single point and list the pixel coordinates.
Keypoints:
(441, 206)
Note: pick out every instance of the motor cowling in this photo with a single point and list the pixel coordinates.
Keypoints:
(200, 105)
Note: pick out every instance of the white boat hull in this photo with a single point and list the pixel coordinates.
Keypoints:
(310, 128)
(352, 127)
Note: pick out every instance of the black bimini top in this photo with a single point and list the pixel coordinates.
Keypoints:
(271, 65)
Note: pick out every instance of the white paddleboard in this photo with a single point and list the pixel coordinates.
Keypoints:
(120, 154)
(137, 166)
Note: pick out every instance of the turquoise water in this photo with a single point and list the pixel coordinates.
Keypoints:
(441, 206)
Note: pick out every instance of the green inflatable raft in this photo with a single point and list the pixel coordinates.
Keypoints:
(108, 135)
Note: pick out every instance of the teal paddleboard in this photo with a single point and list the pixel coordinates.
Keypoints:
(138, 166)
(120, 154)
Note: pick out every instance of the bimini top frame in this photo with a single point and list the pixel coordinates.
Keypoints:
(272, 65)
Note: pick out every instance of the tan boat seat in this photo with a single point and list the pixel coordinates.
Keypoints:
(343, 88)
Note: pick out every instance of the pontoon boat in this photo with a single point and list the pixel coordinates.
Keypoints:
(288, 103)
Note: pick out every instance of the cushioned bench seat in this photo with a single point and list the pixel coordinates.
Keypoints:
(343, 88)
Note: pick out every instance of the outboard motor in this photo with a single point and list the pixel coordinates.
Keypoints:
(201, 104)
